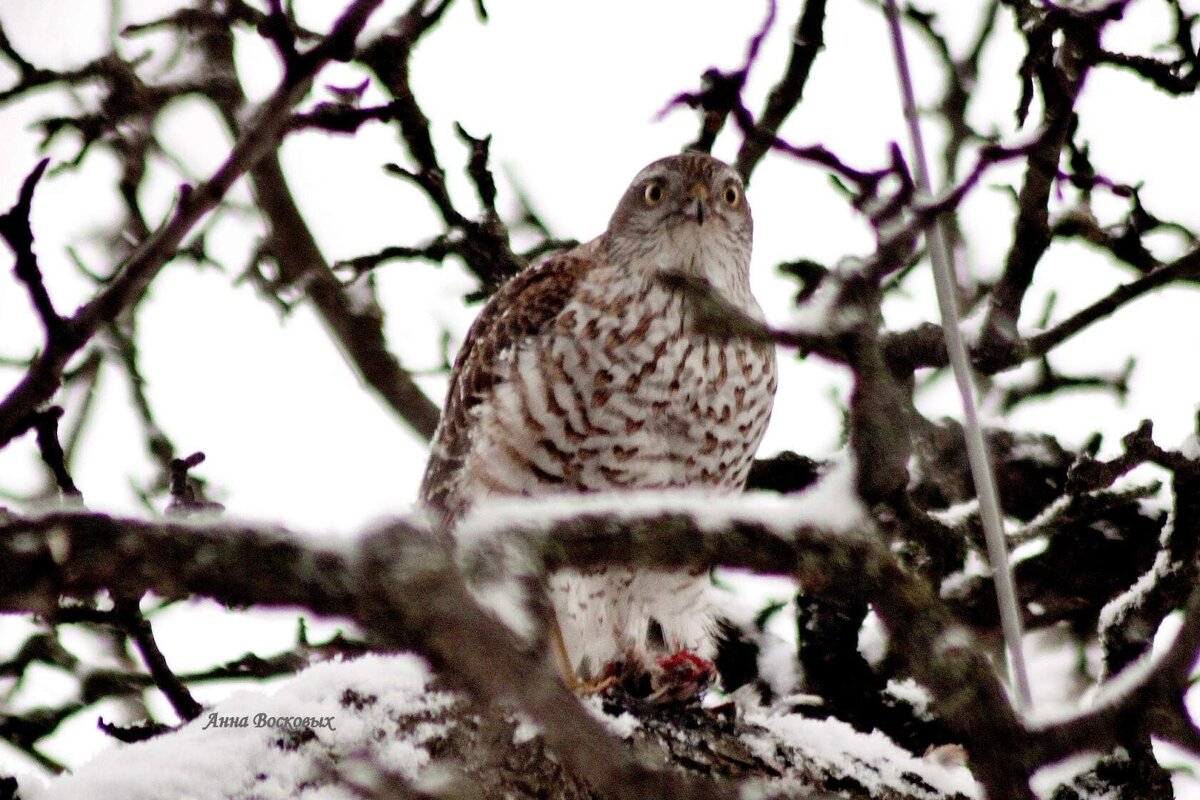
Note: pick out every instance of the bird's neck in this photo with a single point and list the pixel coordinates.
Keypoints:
(724, 266)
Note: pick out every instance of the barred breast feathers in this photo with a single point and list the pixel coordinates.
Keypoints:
(544, 424)
(523, 307)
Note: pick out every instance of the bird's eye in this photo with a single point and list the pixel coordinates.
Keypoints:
(732, 196)
(654, 193)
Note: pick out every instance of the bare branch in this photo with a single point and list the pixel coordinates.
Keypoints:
(920, 347)
(131, 280)
(401, 585)
(1178, 76)
(1060, 73)
(1187, 267)
(16, 230)
(46, 425)
(808, 39)
(131, 620)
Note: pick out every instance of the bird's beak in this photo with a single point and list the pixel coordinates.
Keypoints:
(699, 193)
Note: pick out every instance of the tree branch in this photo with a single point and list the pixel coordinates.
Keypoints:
(1060, 72)
(16, 230)
(143, 265)
(808, 39)
(922, 346)
(356, 327)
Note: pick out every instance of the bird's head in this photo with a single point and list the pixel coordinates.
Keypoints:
(691, 205)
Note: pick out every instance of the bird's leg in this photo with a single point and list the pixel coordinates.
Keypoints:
(573, 681)
(560, 653)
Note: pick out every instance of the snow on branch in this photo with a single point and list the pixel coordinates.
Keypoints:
(385, 722)
(400, 583)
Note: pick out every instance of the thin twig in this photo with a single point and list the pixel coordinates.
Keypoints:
(135, 624)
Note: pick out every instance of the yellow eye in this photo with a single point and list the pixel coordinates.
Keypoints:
(732, 196)
(654, 193)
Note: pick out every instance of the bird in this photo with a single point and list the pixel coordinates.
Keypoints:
(585, 373)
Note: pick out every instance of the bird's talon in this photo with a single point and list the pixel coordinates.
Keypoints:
(594, 686)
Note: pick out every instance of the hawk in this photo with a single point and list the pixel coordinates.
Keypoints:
(583, 373)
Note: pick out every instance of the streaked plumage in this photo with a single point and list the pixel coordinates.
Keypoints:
(582, 374)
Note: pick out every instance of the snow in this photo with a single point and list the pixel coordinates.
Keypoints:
(1047, 779)
(1181, 764)
(1132, 597)
(623, 725)
(1135, 674)
(525, 730)
(958, 513)
(1036, 450)
(1190, 447)
(1049, 512)
(259, 744)
(872, 640)
(778, 665)
(912, 693)
(974, 566)
(360, 295)
(822, 314)
(835, 747)
(740, 598)
(507, 599)
(1115, 688)
(971, 326)
(831, 505)
(380, 713)
(1029, 549)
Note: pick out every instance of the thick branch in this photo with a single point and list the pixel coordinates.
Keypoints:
(403, 588)
(401, 584)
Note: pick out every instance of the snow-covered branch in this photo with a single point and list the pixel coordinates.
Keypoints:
(401, 584)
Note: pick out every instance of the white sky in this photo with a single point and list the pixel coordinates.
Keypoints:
(289, 434)
(569, 90)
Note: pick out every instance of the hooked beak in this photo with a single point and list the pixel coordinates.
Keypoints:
(699, 193)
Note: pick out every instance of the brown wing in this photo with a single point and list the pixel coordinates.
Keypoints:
(523, 307)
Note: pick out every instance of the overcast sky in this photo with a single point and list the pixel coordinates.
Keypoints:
(570, 92)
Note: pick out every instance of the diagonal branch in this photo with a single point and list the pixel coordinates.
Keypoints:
(17, 231)
(1187, 267)
(1148, 696)
(808, 39)
(922, 346)
(144, 264)
(354, 322)
(135, 624)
